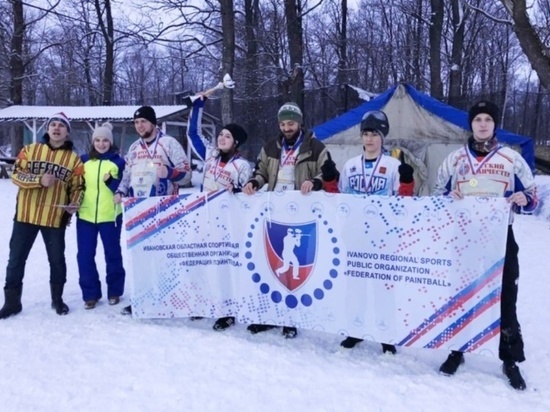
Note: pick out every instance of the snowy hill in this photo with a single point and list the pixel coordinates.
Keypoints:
(98, 360)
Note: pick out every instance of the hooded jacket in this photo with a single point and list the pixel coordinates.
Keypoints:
(97, 205)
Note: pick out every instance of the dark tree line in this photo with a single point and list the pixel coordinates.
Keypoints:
(96, 52)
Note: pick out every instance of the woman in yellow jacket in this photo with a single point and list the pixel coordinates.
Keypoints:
(99, 215)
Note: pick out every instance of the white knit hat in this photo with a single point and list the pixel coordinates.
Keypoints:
(105, 130)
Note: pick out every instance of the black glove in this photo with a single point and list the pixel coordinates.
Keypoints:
(405, 170)
(329, 171)
(66, 219)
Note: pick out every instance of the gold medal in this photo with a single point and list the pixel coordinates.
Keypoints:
(473, 182)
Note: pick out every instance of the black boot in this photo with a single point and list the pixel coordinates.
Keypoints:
(387, 348)
(290, 332)
(350, 342)
(513, 374)
(57, 299)
(224, 323)
(256, 328)
(12, 304)
(450, 366)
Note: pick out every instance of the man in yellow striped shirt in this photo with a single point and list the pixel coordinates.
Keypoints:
(50, 177)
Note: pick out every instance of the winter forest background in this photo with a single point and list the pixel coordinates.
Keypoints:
(118, 52)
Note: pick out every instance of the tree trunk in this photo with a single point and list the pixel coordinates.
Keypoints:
(251, 75)
(529, 40)
(17, 70)
(436, 29)
(343, 57)
(228, 56)
(417, 60)
(455, 78)
(107, 29)
(293, 10)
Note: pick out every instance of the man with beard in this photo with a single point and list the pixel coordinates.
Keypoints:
(154, 163)
(291, 161)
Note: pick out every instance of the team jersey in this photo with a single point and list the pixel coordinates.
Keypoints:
(43, 206)
(500, 173)
(218, 175)
(142, 161)
(378, 177)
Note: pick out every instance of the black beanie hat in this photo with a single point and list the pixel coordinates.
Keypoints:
(484, 106)
(147, 113)
(238, 133)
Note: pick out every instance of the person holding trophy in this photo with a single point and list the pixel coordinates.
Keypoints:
(155, 163)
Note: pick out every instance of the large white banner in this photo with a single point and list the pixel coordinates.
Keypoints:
(421, 272)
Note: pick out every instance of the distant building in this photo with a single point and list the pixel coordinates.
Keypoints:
(84, 119)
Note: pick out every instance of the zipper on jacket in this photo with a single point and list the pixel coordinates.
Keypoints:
(98, 194)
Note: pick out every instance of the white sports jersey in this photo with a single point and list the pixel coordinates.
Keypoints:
(142, 161)
(378, 177)
(217, 175)
(500, 173)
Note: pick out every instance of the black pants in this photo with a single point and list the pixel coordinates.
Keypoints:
(511, 341)
(22, 239)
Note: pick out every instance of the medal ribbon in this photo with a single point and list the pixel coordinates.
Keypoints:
(373, 171)
(218, 170)
(485, 160)
(146, 146)
(284, 154)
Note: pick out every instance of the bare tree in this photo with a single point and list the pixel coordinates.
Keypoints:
(529, 39)
(228, 55)
(103, 10)
(293, 88)
(459, 16)
(343, 55)
(436, 32)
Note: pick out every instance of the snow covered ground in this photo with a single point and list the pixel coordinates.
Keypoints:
(99, 360)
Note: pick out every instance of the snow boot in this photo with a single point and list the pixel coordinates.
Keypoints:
(57, 299)
(223, 323)
(255, 328)
(12, 302)
(350, 342)
(387, 348)
(290, 332)
(114, 300)
(450, 366)
(127, 310)
(513, 374)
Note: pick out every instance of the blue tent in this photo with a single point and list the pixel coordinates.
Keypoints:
(414, 115)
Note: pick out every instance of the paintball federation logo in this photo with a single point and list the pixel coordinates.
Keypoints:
(286, 271)
(290, 251)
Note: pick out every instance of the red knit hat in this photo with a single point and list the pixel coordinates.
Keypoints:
(60, 117)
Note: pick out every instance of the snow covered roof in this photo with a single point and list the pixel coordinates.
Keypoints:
(84, 113)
